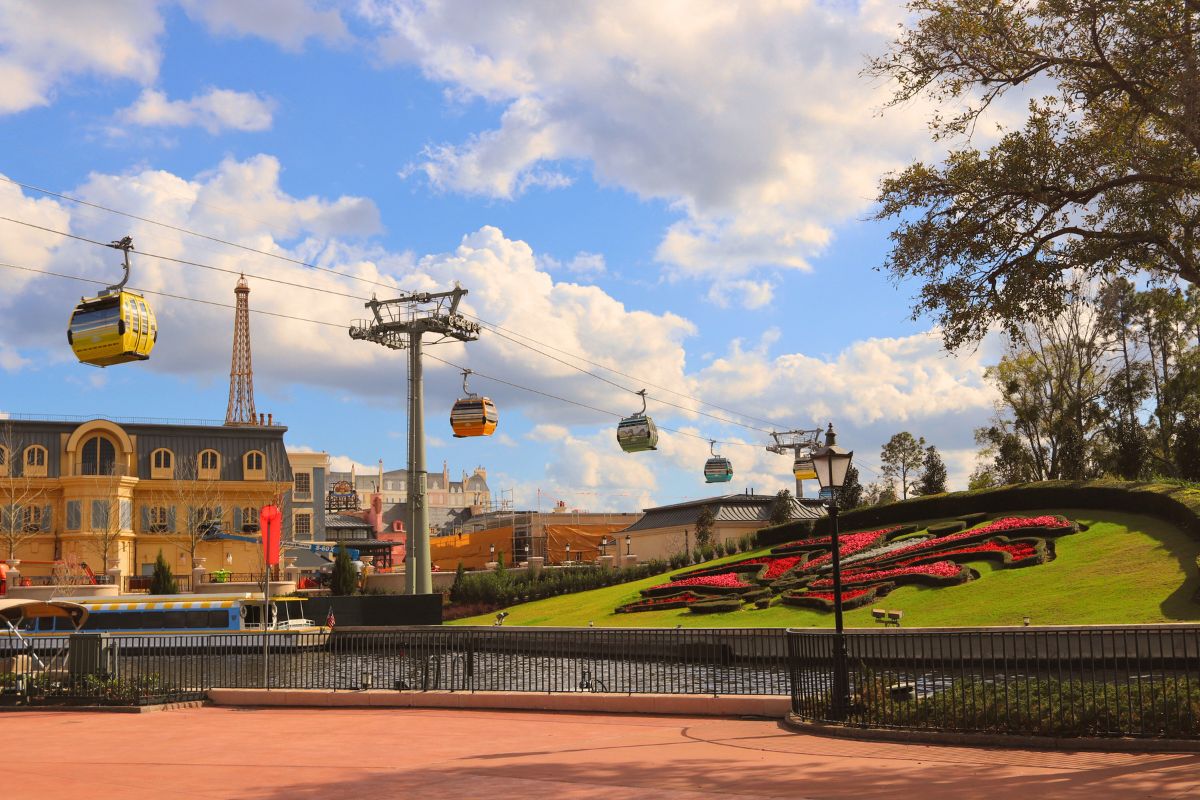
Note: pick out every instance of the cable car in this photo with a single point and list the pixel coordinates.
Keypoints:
(803, 467)
(114, 327)
(637, 433)
(717, 469)
(473, 415)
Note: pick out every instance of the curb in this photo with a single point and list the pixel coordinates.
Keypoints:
(112, 709)
(1113, 745)
(760, 706)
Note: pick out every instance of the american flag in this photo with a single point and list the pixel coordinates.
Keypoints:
(329, 620)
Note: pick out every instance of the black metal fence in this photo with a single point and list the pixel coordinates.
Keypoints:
(1113, 681)
(154, 668)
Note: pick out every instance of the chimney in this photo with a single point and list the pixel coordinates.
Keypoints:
(262, 418)
(270, 419)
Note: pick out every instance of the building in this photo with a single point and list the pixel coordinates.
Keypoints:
(449, 502)
(112, 494)
(667, 530)
(557, 536)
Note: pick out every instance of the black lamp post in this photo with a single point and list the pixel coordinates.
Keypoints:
(603, 546)
(628, 545)
(832, 463)
(568, 552)
(491, 552)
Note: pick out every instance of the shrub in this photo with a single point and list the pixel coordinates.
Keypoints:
(943, 528)
(344, 579)
(162, 581)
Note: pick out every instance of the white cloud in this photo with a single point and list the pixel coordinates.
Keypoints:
(869, 388)
(583, 264)
(287, 23)
(214, 110)
(42, 44)
(750, 118)
(748, 294)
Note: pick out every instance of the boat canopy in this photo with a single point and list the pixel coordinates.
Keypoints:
(14, 610)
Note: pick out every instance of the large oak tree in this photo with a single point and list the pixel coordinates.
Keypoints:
(1102, 176)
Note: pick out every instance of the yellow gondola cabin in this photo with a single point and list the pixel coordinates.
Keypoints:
(114, 327)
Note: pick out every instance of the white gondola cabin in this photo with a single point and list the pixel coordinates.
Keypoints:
(637, 433)
(116, 326)
(473, 415)
(717, 469)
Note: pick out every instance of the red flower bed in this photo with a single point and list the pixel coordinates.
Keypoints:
(849, 545)
(940, 569)
(727, 580)
(661, 603)
(1017, 551)
(778, 566)
(1016, 523)
(1006, 524)
(825, 540)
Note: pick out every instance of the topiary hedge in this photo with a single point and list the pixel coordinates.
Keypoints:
(1179, 505)
(943, 528)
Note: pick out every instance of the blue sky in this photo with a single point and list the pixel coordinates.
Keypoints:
(679, 194)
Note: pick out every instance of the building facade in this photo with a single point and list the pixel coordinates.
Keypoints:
(112, 494)
(668, 530)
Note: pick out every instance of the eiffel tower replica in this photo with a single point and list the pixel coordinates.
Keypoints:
(241, 373)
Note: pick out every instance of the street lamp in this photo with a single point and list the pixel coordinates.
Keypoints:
(491, 552)
(628, 545)
(831, 464)
(568, 553)
(603, 546)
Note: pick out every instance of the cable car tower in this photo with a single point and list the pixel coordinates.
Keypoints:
(402, 324)
(801, 444)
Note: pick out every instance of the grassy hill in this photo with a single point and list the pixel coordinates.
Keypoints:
(1124, 568)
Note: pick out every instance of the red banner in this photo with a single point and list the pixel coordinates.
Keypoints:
(270, 520)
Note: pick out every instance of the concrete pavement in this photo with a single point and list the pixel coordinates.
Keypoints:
(445, 754)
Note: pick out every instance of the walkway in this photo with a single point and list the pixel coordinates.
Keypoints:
(429, 754)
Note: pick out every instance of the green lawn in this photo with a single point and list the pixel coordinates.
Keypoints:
(1123, 569)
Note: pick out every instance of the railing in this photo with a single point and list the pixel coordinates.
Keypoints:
(1139, 681)
(221, 576)
(143, 669)
(140, 584)
(1116, 681)
(58, 580)
(127, 420)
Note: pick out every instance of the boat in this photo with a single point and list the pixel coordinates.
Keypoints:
(185, 622)
(22, 655)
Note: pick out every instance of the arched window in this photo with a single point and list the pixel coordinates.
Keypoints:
(209, 465)
(35, 461)
(254, 466)
(98, 456)
(162, 464)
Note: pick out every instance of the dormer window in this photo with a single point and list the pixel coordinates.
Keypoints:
(209, 466)
(162, 464)
(254, 466)
(35, 461)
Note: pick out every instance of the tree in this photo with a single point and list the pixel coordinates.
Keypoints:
(705, 523)
(111, 512)
(162, 581)
(24, 506)
(878, 493)
(1102, 176)
(851, 494)
(933, 473)
(781, 508)
(901, 457)
(1052, 381)
(344, 579)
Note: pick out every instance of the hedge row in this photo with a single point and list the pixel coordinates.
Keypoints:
(1178, 505)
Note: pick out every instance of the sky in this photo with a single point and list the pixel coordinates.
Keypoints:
(673, 196)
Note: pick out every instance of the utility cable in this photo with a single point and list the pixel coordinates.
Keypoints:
(495, 328)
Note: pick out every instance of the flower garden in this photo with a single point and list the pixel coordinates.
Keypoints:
(874, 562)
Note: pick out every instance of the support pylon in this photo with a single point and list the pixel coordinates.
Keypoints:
(400, 324)
(240, 410)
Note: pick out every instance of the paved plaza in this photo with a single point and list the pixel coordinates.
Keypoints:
(323, 754)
